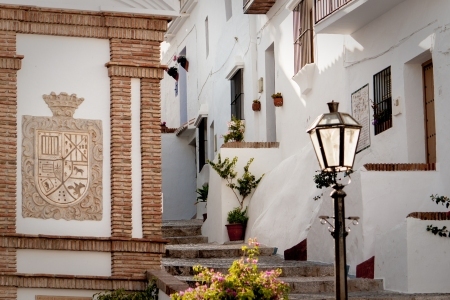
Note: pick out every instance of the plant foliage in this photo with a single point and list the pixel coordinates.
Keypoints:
(202, 193)
(438, 231)
(243, 281)
(443, 232)
(237, 216)
(236, 129)
(150, 293)
(326, 179)
(244, 185)
(441, 199)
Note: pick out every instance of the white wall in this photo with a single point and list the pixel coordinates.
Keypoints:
(178, 178)
(64, 262)
(412, 260)
(403, 38)
(136, 158)
(71, 65)
(30, 294)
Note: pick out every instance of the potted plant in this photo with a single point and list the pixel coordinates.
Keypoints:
(277, 99)
(203, 197)
(173, 72)
(256, 105)
(183, 62)
(236, 129)
(242, 186)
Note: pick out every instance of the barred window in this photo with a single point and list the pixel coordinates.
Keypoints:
(382, 103)
(237, 96)
(303, 35)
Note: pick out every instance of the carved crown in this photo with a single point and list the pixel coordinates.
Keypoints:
(62, 105)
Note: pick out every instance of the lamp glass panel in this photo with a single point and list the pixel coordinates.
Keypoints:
(316, 145)
(330, 119)
(348, 119)
(330, 141)
(351, 136)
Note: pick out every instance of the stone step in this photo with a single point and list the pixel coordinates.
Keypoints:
(211, 251)
(198, 239)
(381, 295)
(179, 228)
(183, 267)
(317, 285)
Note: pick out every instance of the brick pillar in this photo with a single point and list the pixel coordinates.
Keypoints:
(121, 157)
(151, 158)
(9, 64)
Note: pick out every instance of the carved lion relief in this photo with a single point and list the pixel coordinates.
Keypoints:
(62, 163)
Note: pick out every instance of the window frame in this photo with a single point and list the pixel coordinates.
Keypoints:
(382, 100)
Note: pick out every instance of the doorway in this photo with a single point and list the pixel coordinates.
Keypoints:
(430, 124)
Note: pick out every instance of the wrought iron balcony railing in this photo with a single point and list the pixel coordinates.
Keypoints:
(324, 8)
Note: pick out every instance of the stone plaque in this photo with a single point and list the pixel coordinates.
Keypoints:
(62, 162)
(39, 297)
(361, 112)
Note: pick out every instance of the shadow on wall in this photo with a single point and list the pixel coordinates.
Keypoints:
(284, 201)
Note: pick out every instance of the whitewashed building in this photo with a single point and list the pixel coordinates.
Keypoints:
(386, 62)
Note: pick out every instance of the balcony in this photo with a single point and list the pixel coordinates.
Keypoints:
(258, 6)
(347, 16)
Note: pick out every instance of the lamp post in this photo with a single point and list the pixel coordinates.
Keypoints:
(334, 136)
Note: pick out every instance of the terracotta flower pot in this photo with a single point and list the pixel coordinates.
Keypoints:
(256, 106)
(278, 101)
(236, 232)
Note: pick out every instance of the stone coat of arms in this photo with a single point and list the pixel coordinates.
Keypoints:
(62, 163)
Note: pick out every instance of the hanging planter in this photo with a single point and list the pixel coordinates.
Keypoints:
(256, 105)
(277, 99)
(183, 62)
(173, 72)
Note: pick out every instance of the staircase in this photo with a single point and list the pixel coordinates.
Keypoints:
(308, 280)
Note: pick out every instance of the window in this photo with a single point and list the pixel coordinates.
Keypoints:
(303, 35)
(207, 36)
(202, 144)
(237, 96)
(382, 103)
(228, 9)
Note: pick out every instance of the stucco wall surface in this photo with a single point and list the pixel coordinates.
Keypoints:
(72, 65)
(64, 262)
(178, 178)
(30, 294)
(412, 260)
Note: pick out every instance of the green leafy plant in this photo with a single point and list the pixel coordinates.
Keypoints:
(444, 200)
(150, 293)
(441, 199)
(202, 193)
(241, 187)
(326, 179)
(236, 129)
(277, 95)
(438, 231)
(243, 281)
(237, 216)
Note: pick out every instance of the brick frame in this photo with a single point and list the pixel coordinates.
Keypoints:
(134, 50)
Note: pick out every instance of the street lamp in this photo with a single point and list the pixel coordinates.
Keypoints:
(334, 137)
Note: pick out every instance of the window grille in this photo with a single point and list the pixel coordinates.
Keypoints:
(382, 104)
(303, 36)
(202, 144)
(237, 96)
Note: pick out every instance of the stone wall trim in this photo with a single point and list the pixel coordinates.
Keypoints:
(13, 62)
(21, 241)
(72, 282)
